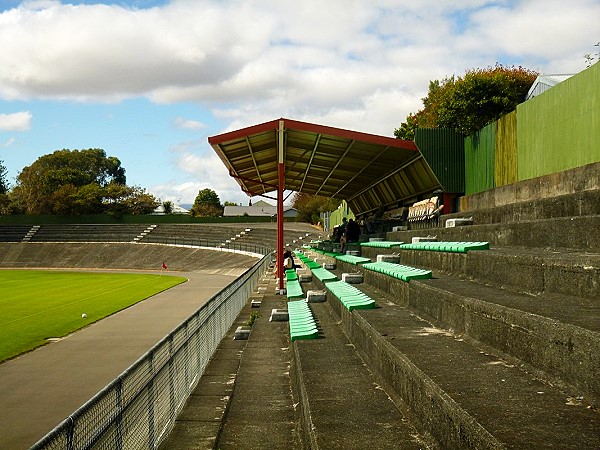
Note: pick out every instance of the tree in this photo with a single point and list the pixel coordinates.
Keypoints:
(78, 182)
(207, 204)
(470, 102)
(167, 207)
(44, 182)
(310, 206)
(592, 58)
(3, 179)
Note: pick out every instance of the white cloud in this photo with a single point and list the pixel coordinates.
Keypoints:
(20, 121)
(8, 143)
(188, 124)
(347, 63)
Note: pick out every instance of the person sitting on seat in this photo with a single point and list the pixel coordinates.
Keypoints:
(352, 231)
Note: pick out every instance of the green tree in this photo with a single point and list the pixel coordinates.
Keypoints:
(78, 182)
(470, 102)
(207, 204)
(310, 206)
(167, 207)
(3, 179)
(45, 181)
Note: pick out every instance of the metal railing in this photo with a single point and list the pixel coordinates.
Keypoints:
(138, 409)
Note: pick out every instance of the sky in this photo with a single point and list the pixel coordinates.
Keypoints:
(149, 81)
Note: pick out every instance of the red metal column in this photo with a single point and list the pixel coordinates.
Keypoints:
(280, 174)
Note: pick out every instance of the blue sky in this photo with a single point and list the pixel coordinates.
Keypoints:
(148, 81)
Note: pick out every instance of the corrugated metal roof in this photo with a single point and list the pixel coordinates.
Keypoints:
(364, 169)
(544, 82)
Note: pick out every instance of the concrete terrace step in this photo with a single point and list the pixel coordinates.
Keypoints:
(582, 232)
(465, 394)
(532, 270)
(342, 405)
(261, 414)
(553, 333)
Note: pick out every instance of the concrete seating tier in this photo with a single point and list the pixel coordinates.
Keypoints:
(577, 204)
(456, 247)
(302, 323)
(88, 232)
(425, 356)
(13, 233)
(560, 232)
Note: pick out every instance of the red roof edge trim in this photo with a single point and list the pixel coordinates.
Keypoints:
(349, 134)
(243, 132)
(290, 124)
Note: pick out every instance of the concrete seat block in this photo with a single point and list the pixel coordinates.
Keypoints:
(305, 278)
(241, 334)
(459, 222)
(353, 278)
(329, 265)
(279, 315)
(315, 296)
(389, 258)
(353, 252)
(424, 239)
(255, 304)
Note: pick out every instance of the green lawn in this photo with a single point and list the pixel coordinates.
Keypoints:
(36, 305)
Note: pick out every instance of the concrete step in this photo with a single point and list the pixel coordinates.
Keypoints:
(556, 334)
(466, 394)
(582, 203)
(342, 405)
(530, 270)
(261, 414)
(582, 232)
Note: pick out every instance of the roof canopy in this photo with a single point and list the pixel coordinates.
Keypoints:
(366, 170)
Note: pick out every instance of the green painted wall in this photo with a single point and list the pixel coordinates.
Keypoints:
(560, 129)
(480, 149)
(505, 170)
(444, 151)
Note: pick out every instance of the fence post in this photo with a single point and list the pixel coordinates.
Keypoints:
(119, 418)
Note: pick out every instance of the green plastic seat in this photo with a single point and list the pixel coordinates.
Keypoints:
(352, 259)
(351, 297)
(381, 244)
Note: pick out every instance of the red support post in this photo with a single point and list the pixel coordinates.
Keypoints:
(280, 189)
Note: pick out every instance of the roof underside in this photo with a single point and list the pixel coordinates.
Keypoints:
(366, 170)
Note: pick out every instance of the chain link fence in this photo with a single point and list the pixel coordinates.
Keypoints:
(138, 409)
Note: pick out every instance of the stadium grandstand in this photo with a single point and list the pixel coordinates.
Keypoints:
(479, 329)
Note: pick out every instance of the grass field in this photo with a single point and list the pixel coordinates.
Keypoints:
(36, 305)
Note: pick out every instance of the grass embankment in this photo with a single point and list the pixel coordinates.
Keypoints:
(37, 305)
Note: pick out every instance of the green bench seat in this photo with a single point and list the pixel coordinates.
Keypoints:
(381, 244)
(323, 275)
(293, 289)
(291, 275)
(301, 320)
(454, 247)
(352, 259)
(350, 296)
(399, 271)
